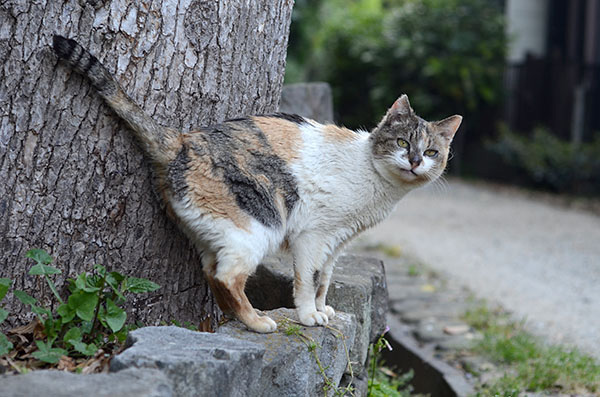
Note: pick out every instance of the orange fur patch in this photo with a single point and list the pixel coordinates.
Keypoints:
(320, 291)
(210, 194)
(283, 136)
(336, 134)
(232, 299)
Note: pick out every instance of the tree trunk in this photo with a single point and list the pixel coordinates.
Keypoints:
(73, 180)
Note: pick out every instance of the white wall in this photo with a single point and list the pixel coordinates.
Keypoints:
(526, 26)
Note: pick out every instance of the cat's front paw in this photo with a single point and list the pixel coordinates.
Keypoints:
(313, 318)
(263, 324)
(329, 312)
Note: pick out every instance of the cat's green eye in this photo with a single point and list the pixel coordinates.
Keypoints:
(430, 153)
(402, 143)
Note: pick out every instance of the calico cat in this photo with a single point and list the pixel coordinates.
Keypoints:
(258, 185)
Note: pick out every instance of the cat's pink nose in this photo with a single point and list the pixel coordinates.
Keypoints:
(415, 161)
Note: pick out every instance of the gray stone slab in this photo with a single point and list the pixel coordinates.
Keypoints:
(373, 269)
(456, 342)
(197, 363)
(415, 291)
(450, 310)
(358, 286)
(409, 305)
(289, 368)
(128, 383)
(312, 100)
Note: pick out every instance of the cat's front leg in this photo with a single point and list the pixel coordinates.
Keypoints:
(323, 287)
(308, 263)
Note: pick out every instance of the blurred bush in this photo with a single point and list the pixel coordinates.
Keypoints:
(447, 55)
(550, 162)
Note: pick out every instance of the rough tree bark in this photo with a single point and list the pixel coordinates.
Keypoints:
(72, 179)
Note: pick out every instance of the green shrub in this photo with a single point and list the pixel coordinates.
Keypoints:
(549, 161)
(447, 55)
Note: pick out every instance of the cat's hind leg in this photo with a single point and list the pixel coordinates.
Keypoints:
(227, 284)
(209, 267)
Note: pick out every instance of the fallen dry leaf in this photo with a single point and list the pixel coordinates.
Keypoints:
(27, 329)
(66, 364)
(388, 372)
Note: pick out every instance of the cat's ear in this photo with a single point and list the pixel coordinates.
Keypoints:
(400, 108)
(448, 127)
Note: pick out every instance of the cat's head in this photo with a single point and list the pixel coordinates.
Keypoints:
(409, 150)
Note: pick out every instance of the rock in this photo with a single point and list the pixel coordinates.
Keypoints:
(458, 342)
(130, 383)
(197, 363)
(409, 292)
(457, 329)
(409, 305)
(358, 286)
(271, 286)
(477, 364)
(430, 331)
(312, 100)
(289, 367)
(450, 310)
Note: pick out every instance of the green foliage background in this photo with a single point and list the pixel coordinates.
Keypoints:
(447, 55)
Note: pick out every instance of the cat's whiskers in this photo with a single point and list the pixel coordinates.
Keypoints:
(440, 184)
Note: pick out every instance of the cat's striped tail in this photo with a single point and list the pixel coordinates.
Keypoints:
(158, 142)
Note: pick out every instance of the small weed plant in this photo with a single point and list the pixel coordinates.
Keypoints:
(382, 381)
(90, 317)
(5, 344)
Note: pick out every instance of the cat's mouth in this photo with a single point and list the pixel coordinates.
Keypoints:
(409, 172)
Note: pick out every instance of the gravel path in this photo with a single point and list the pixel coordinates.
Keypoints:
(540, 261)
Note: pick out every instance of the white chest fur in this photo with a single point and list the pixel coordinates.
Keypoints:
(341, 192)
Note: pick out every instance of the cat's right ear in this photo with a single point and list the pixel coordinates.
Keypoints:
(401, 108)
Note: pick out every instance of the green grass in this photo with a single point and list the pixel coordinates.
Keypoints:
(530, 365)
(387, 384)
(414, 270)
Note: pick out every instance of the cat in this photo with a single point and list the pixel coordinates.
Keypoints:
(254, 186)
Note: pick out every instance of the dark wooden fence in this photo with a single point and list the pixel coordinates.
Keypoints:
(544, 92)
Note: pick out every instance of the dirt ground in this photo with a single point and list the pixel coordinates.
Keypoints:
(536, 255)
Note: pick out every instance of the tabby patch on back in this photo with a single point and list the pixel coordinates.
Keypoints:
(251, 187)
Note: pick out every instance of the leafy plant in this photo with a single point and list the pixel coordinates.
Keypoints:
(549, 161)
(380, 383)
(90, 317)
(5, 344)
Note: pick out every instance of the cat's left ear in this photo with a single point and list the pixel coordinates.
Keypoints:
(448, 127)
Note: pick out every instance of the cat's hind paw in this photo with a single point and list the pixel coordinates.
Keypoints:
(329, 312)
(313, 318)
(263, 325)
